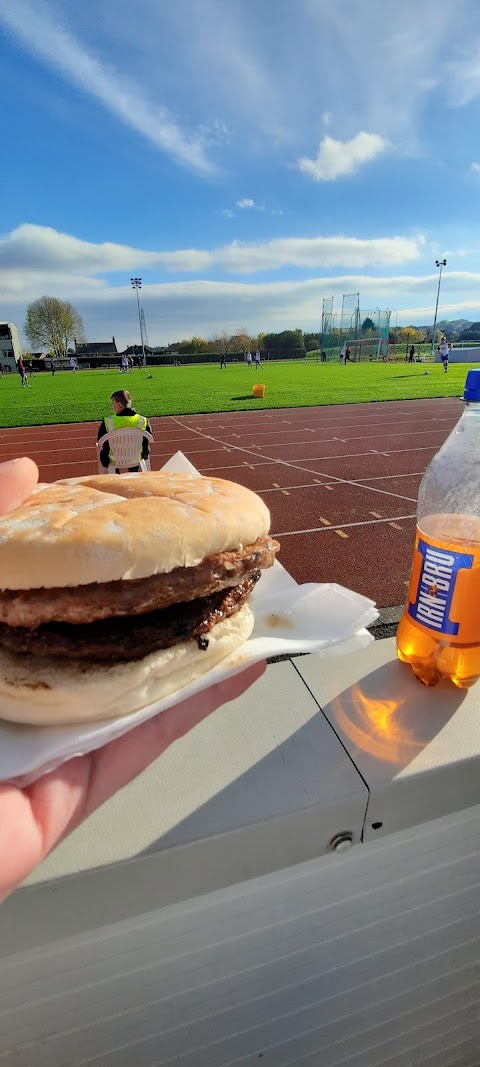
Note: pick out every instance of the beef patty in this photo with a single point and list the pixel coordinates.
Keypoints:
(31, 608)
(125, 639)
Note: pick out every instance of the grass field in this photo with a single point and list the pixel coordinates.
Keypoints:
(84, 396)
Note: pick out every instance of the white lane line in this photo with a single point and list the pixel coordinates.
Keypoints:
(338, 426)
(363, 437)
(319, 459)
(341, 526)
(322, 411)
(303, 485)
(387, 477)
(41, 451)
(297, 466)
(223, 444)
(327, 423)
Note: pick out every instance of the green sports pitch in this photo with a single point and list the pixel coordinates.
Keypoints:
(85, 395)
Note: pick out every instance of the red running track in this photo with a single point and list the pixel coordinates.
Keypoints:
(341, 482)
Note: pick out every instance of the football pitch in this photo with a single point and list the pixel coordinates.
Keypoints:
(85, 396)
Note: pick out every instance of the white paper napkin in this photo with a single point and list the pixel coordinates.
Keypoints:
(289, 618)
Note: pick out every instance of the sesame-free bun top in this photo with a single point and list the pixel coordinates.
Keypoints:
(109, 527)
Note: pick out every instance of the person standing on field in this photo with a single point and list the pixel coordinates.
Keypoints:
(444, 349)
(23, 373)
(257, 359)
(249, 360)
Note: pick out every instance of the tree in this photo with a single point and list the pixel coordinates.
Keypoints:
(287, 339)
(196, 344)
(51, 323)
(221, 344)
(410, 335)
(368, 324)
(240, 341)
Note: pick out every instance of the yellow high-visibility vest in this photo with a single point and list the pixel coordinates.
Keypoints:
(123, 422)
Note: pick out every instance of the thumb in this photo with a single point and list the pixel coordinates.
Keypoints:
(18, 477)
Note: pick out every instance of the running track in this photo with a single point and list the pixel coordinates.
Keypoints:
(341, 482)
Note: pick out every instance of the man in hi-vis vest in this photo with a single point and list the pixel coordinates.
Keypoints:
(124, 415)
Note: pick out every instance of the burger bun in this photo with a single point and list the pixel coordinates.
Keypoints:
(44, 692)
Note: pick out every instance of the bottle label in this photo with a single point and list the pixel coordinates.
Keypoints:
(435, 588)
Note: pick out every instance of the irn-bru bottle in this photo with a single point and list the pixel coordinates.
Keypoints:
(439, 634)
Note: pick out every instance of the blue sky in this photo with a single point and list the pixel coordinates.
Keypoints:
(246, 159)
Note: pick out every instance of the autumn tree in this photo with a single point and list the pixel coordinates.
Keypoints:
(51, 324)
(410, 334)
(221, 344)
(241, 340)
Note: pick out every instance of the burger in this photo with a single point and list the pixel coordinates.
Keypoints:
(117, 591)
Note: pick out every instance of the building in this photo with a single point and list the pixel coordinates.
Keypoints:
(10, 350)
(86, 350)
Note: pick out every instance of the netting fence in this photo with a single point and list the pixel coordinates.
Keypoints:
(363, 330)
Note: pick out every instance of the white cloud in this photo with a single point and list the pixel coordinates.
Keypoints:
(42, 34)
(228, 213)
(178, 309)
(216, 67)
(247, 204)
(464, 76)
(356, 56)
(33, 248)
(43, 248)
(341, 159)
(314, 252)
(475, 167)
(36, 260)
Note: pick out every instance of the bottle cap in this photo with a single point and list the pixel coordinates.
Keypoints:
(472, 386)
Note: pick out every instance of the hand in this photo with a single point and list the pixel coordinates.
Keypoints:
(34, 819)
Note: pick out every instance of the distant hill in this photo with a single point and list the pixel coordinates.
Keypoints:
(452, 328)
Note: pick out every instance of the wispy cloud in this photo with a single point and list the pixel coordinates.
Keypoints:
(39, 31)
(238, 85)
(475, 167)
(341, 159)
(41, 248)
(464, 75)
(247, 204)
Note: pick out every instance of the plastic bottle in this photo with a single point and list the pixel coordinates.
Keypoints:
(439, 634)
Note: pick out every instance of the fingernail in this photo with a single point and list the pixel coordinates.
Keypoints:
(12, 462)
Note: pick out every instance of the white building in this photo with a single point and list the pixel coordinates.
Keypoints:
(10, 350)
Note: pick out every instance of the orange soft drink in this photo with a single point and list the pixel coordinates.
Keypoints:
(439, 634)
